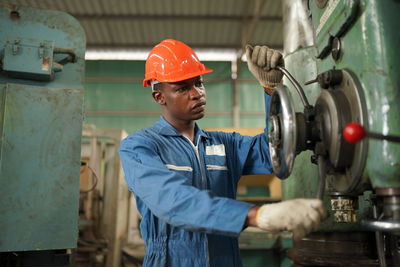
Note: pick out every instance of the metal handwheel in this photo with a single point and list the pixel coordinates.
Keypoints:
(282, 132)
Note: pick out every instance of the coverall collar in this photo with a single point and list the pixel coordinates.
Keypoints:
(165, 128)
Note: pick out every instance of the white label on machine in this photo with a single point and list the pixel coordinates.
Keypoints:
(327, 13)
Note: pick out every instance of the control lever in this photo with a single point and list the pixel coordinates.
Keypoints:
(354, 132)
(297, 86)
(327, 78)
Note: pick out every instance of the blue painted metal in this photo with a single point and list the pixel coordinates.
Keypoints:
(41, 114)
(57, 26)
(30, 58)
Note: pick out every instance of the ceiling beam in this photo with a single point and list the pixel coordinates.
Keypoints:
(150, 45)
(175, 17)
(250, 27)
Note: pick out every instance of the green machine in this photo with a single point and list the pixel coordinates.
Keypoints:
(41, 114)
(342, 62)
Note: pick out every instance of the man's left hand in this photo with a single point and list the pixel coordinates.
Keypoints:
(262, 62)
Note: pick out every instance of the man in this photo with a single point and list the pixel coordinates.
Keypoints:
(185, 179)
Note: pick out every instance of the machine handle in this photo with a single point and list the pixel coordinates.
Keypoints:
(354, 132)
(68, 51)
(296, 85)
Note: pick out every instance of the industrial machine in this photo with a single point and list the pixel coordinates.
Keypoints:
(105, 201)
(342, 66)
(41, 113)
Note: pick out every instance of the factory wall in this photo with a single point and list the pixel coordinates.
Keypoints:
(115, 98)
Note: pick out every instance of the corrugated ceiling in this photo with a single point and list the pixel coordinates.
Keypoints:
(200, 23)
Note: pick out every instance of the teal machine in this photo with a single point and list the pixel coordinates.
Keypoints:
(343, 62)
(41, 113)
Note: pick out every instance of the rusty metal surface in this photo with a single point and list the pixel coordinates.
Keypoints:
(335, 249)
(39, 171)
(59, 27)
(40, 132)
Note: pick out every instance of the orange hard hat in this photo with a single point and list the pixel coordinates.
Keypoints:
(172, 61)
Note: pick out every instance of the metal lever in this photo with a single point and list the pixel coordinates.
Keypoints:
(296, 85)
(312, 81)
(354, 132)
(68, 51)
(328, 78)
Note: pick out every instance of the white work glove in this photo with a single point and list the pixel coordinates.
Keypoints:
(262, 62)
(300, 216)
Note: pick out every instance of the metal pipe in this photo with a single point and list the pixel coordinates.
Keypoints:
(296, 85)
(379, 241)
(235, 70)
(385, 226)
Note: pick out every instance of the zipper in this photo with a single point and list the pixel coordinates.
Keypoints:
(207, 253)
(196, 151)
(204, 185)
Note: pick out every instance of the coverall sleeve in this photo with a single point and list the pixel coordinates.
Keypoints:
(251, 154)
(171, 198)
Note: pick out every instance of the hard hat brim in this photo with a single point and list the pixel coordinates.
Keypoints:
(146, 82)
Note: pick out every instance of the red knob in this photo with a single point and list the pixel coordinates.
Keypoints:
(353, 132)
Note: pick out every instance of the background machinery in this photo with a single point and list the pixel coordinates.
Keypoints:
(41, 113)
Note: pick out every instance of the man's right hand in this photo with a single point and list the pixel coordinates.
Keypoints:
(300, 216)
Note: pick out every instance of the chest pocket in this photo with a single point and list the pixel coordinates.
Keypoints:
(181, 166)
(216, 158)
(218, 171)
(176, 157)
(182, 170)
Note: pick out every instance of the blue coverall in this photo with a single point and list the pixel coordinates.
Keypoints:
(186, 192)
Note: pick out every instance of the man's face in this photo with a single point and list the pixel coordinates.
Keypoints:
(184, 101)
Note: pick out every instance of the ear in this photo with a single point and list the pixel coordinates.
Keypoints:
(158, 96)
